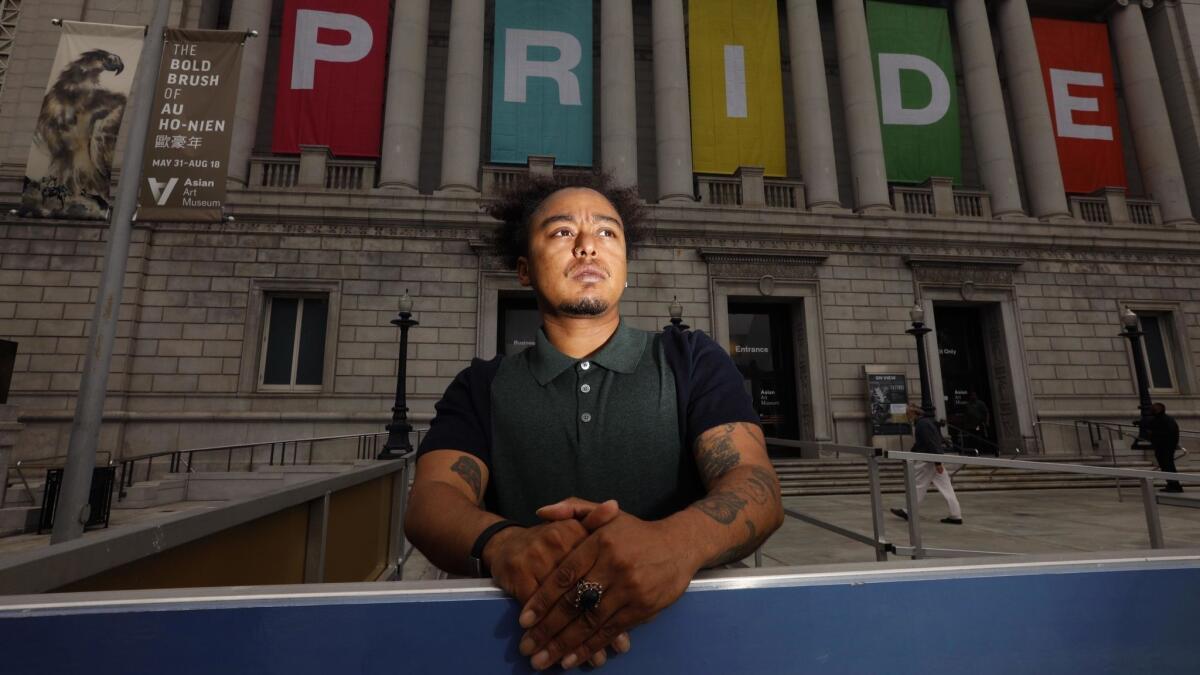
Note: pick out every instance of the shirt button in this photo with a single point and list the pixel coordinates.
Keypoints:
(585, 365)
(585, 388)
(586, 417)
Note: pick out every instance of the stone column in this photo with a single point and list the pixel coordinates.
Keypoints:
(248, 15)
(1153, 138)
(861, 107)
(810, 94)
(989, 123)
(618, 106)
(400, 156)
(1031, 112)
(672, 115)
(464, 99)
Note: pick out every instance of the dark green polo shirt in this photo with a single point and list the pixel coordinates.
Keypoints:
(619, 424)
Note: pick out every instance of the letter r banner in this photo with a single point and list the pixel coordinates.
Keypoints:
(1078, 73)
(542, 81)
(331, 76)
(918, 95)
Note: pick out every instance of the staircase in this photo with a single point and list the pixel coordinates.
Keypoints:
(810, 477)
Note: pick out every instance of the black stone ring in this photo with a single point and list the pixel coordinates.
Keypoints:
(587, 595)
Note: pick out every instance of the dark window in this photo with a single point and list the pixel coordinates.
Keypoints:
(294, 345)
(1157, 345)
(517, 323)
(760, 338)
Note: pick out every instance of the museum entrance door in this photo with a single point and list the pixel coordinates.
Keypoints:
(976, 380)
(762, 344)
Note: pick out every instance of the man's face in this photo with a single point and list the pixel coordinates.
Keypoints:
(576, 262)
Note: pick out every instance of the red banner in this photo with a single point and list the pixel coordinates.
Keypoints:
(332, 63)
(1078, 72)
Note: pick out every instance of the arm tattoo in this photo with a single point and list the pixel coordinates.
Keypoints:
(722, 507)
(468, 470)
(761, 485)
(716, 455)
(735, 553)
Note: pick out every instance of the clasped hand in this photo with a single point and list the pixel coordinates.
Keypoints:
(635, 561)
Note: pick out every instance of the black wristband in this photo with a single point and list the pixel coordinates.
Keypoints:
(477, 565)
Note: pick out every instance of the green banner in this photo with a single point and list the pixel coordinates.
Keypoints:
(918, 94)
(542, 81)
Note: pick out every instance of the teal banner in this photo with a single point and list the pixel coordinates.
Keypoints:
(542, 81)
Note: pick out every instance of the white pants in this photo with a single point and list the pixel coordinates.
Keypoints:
(926, 473)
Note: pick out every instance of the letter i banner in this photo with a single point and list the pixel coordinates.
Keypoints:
(918, 94)
(1077, 70)
(75, 134)
(736, 86)
(191, 126)
(542, 81)
(332, 65)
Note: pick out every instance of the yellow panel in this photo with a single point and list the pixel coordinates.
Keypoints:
(730, 130)
(356, 546)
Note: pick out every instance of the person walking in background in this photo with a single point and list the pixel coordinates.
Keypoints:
(1164, 437)
(929, 439)
(976, 419)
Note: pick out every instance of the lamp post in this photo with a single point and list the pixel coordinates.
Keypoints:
(1130, 322)
(919, 330)
(397, 443)
(676, 311)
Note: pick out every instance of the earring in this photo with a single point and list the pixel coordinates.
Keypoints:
(626, 284)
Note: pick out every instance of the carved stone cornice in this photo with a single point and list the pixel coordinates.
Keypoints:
(730, 263)
(965, 271)
(489, 260)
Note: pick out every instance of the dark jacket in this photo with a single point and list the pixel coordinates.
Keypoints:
(927, 436)
(1164, 432)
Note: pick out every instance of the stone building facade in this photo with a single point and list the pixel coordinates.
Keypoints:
(831, 259)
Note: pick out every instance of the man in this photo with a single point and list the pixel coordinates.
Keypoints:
(595, 473)
(928, 438)
(1164, 437)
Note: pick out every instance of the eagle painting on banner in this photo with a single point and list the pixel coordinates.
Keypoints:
(736, 86)
(75, 137)
(1077, 70)
(918, 102)
(331, 76)
(542, 81)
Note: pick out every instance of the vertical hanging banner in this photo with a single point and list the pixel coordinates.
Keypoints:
(542, 81)
(736, 86)
(332, 62)
(71, 159)
(918, 93)
(191, 125)
(1077, 70)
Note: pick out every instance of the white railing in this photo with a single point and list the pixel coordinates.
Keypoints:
(917, 201)
(938, 198)
(350, 175)
(1110, 206)
(973, 204)
(284, 173)
(784, 194)
(1144, 212)
(719, 190)
(1091, 209)
(749, 188)
(274, 172)
(498, 178)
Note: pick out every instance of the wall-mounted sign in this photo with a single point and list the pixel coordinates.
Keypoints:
(888, 398)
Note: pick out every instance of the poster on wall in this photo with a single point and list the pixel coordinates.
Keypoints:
(71, 159)
(888, 399)
(913, 58)
(191, 125)
(1077, 71)
(736, 86)
(332, 68)
(542, 81)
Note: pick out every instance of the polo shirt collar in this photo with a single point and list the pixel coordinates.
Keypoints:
(620, 354)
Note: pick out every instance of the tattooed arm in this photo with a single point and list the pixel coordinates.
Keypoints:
(446, 515)
(646, 565)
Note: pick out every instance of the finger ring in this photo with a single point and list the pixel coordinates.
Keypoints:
(587, 595)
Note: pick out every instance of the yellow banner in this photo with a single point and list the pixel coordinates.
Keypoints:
(736, 86)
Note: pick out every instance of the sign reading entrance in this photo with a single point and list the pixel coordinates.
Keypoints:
(888, 394)
(187, 146)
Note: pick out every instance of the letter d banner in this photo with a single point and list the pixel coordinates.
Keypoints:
(542, 81)
(918, 97)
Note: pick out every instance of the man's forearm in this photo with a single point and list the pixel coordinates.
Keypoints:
(742, 508)
(444, 524)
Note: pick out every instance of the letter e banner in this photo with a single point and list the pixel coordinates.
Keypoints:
(331, 76)
(1078, 73)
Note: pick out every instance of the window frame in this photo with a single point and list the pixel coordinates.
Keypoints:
(1166, 328)
(257, 327)
(269, 307)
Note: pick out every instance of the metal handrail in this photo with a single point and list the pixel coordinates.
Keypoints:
(47, 462)
(964, 432)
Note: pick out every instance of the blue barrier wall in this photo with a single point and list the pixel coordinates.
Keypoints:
(1089, 616)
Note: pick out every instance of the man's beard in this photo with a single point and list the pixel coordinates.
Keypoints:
(583, 307)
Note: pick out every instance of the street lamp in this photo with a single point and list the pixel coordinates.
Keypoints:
(676, 311)
(397, 443)
(918, 331)
(1130, 322)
